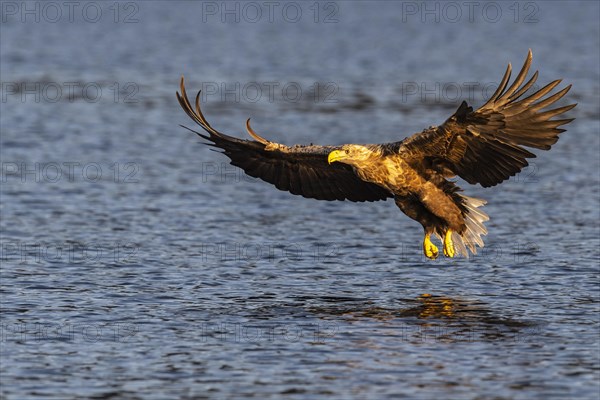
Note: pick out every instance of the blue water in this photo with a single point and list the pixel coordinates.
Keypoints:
(136, 263)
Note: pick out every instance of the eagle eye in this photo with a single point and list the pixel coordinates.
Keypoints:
(347, 151)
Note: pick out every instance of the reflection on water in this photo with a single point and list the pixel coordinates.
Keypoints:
(434, 306)
(437, 317)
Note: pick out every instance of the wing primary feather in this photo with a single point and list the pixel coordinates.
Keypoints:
(255, 135)
(501, 87)
(525, 87)
(199, 112)
(551, 113)
(549, 100)
(196, 132)
(518, 80)
(540, 93)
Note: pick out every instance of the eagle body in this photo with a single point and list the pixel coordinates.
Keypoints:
(410, 185)
(485, 147)
(420, 192)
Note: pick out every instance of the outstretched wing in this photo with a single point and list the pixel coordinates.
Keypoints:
(300, 170)
(486, 146)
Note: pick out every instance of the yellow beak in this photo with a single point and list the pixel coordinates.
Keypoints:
(335, 155)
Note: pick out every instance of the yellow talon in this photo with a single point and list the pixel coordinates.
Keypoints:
(430, 249)
(448, 245)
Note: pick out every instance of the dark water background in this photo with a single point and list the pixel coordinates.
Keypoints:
(138, 264)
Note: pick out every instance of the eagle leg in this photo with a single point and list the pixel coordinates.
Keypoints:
(448, 244)
(429, 249)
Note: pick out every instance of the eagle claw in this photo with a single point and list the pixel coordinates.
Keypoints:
(448, 244)
(429, 249)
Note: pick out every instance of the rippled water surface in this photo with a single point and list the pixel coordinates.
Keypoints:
(137, 264)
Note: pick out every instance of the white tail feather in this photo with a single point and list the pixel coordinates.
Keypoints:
(474, 220)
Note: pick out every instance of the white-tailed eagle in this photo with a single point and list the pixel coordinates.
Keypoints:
(486, 146)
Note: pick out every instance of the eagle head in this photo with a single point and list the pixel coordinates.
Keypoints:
(353, 154)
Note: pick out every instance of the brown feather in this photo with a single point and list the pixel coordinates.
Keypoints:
(301, 170)
(485, 146)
